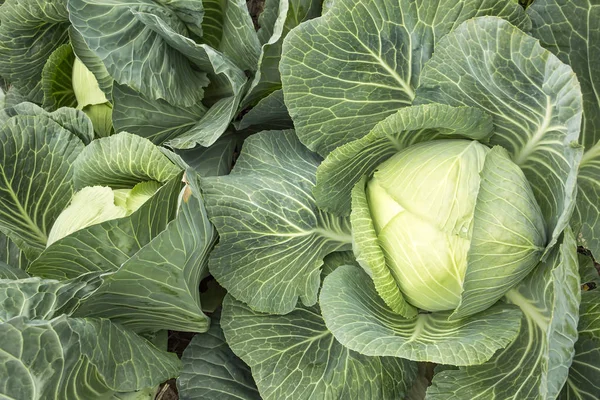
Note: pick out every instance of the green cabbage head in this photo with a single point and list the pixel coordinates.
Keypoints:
(442, 208)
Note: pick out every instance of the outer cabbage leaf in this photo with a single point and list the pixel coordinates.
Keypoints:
(157, 288)
(583, 375)
(70, 119)
(500, 67)
(71, 358)
(144, 59)
(30, 30)
(10, 272)
(57, 81)
(362, 322)
(228, 28)
(121, 161)
(272, 235)
(568, 29)
(344, 72)
(10, 253)
(30, 202)
(288, 15)
(224, 94)
(36, 299)
(306, 362)
(211, 370)
(211, 161)
(270, 113)
(535, 365)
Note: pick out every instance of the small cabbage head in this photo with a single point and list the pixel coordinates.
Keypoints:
(435, 207)
(91, 99)
(96, 204)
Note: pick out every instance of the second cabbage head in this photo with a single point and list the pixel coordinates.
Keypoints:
(426, 203)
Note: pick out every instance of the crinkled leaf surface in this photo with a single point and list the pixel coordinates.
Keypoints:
(272, 235)
(344, 166)
(36, 172)
(57, 82)
(344, 72)
(568, 29)
(105, 247)
(288, 15)
(306, 362)
(143, 59)
(72, 358)
(157, 288)
(211, 370)
(122, 161)
(74, 121)
(30, 30)
(361, 321)
(499, 67)
(10, 253)
(535, 365)
(211, 161)
(583, 376)
(10, 272)
(37, 299)
(224, 94)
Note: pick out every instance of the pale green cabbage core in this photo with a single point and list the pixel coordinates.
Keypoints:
(96, 204)
(422, 202)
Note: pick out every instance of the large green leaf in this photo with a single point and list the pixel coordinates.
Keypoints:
(71, 358)
(122, 161)
(228, 28)
(30, 30)
(586, 216)
(36, 171)
(569, 30)
(10, 272)
(583, 376)
(344, 166)
(272, 235)
(288, 15)
(143, 59)
(535, 365)
(270, 113)
(105, 247)
(212, 371)
(224, 94)
(499, 67)
(57, 82)
(10, 253)
(344, 72)
(361, 321)
(306, 362)
(157, 288)
(156, 120)
(74, 121)
(35, 298)
(211, 161)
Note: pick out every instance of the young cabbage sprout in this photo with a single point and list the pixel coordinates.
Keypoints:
(424, 205)
(96, 204)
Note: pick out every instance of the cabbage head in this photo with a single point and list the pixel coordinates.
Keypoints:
(425, 206)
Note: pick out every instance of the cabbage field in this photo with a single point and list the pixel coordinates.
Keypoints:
(299, 199)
